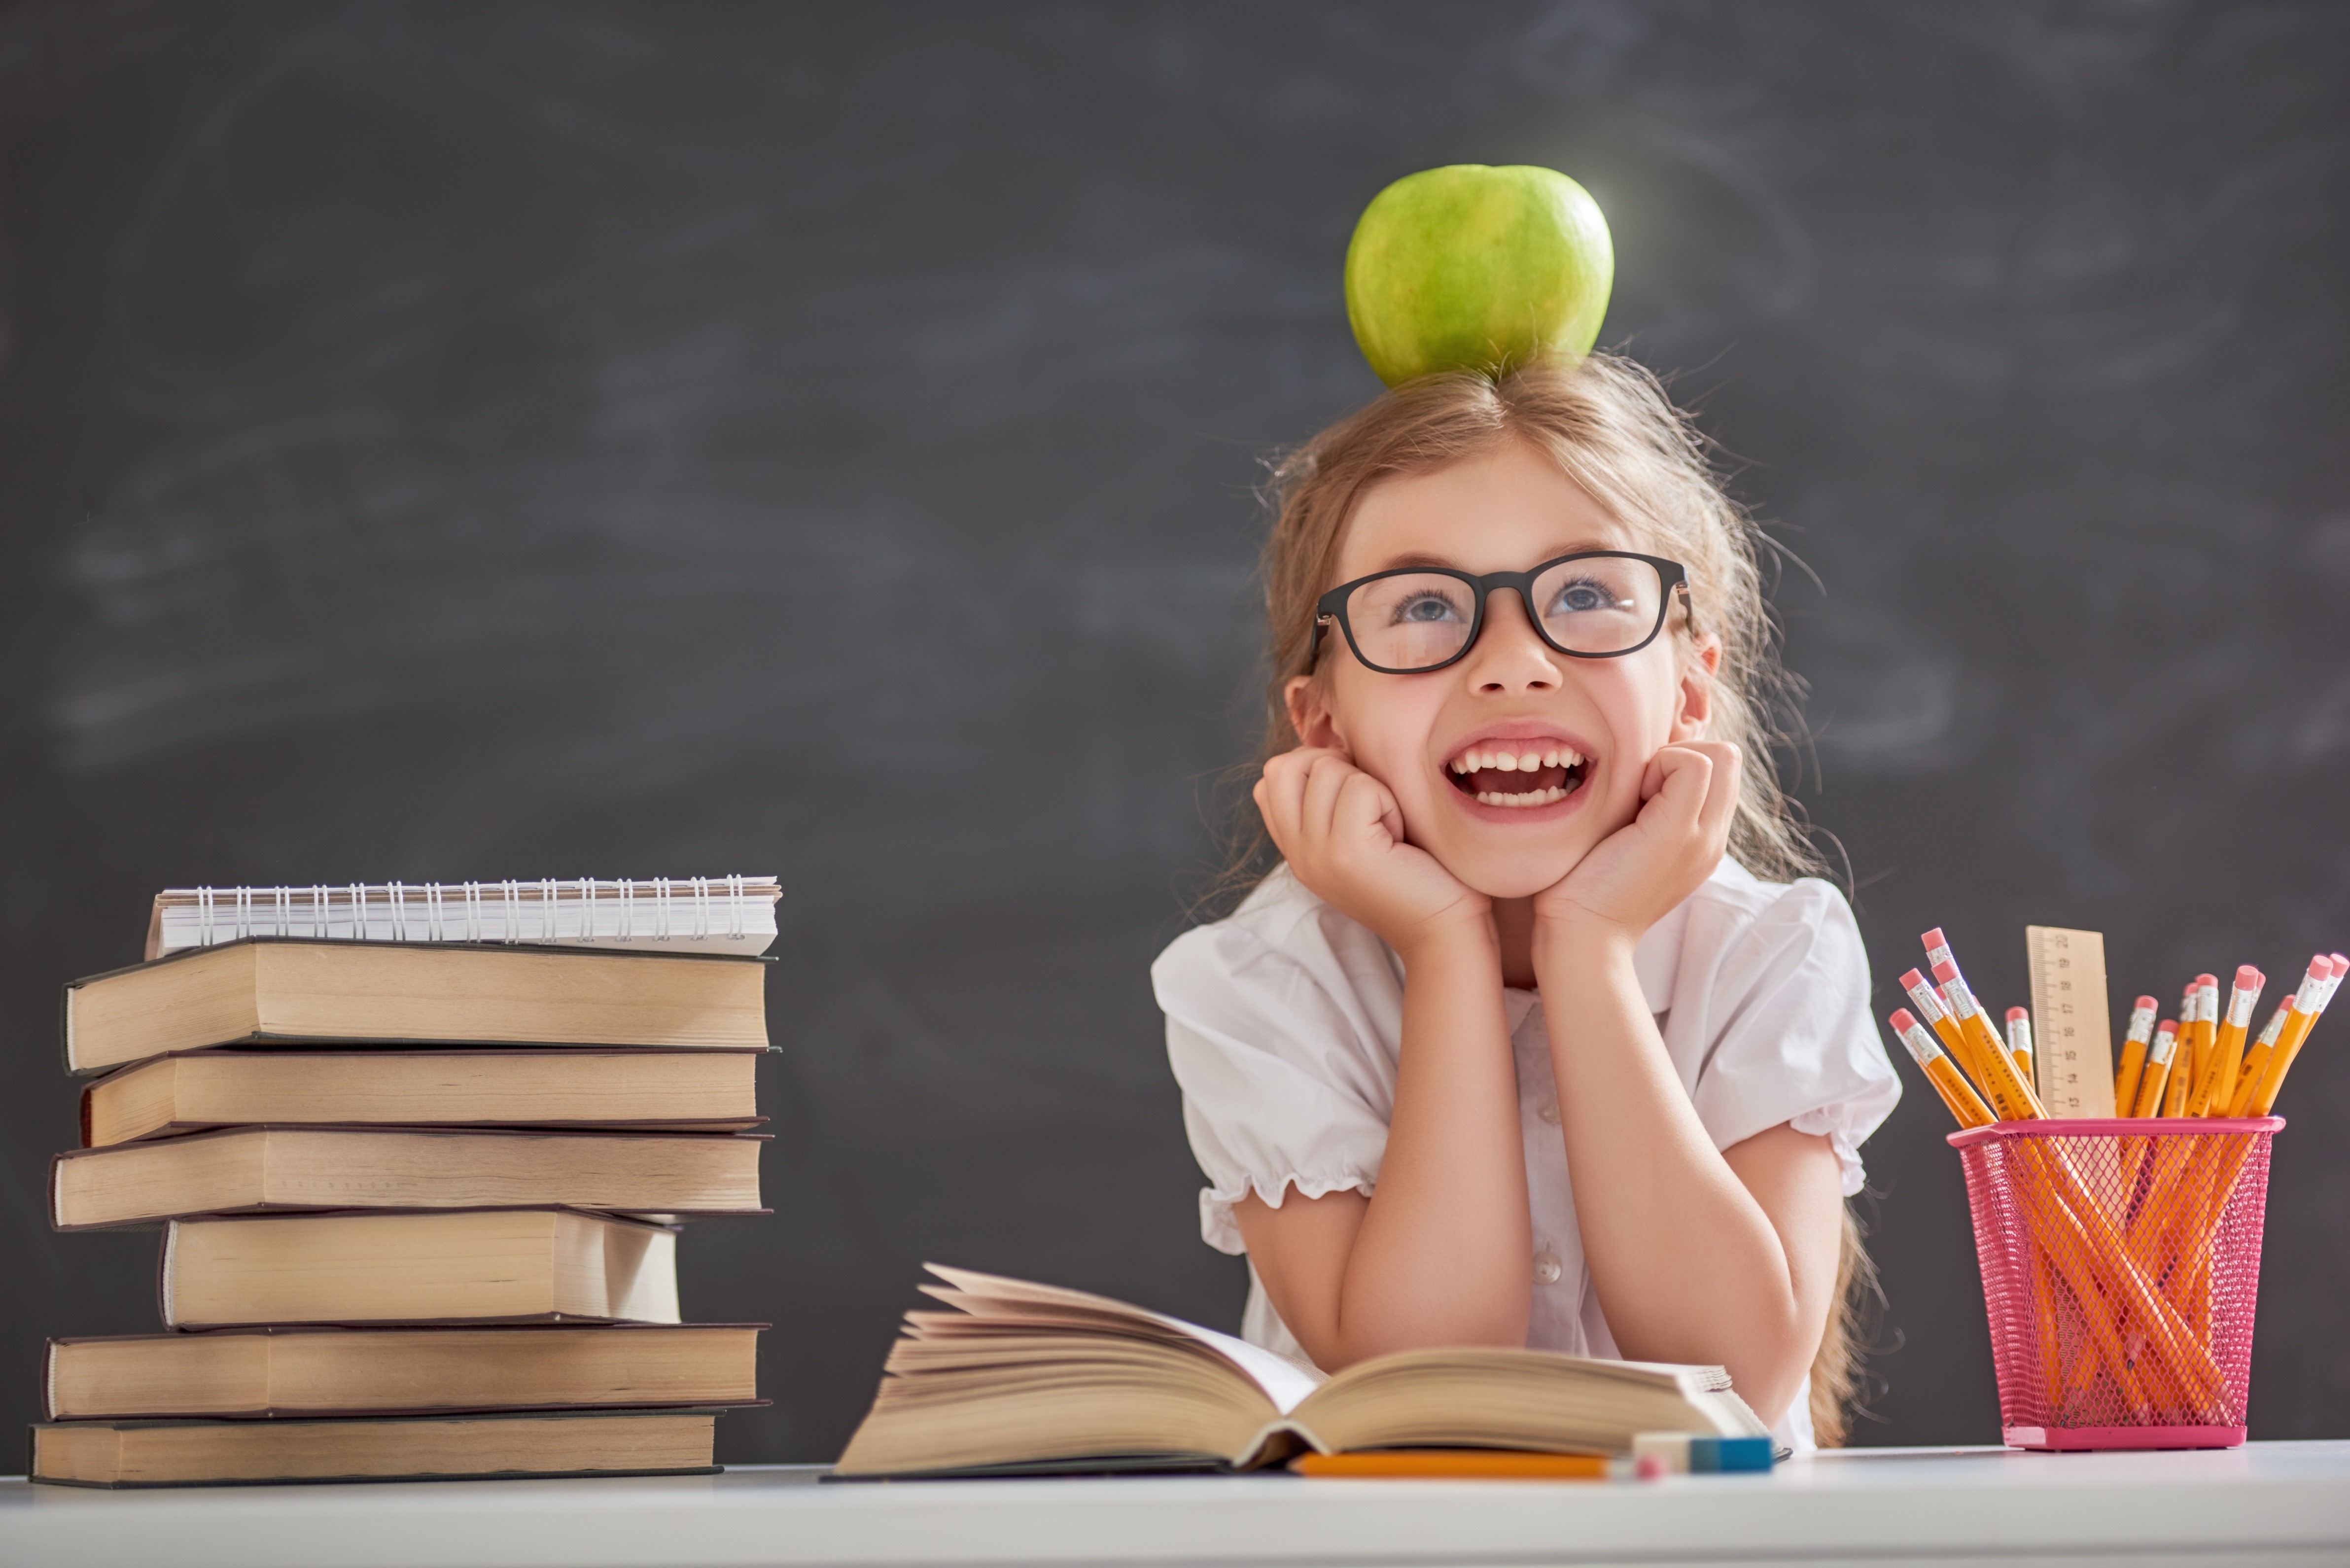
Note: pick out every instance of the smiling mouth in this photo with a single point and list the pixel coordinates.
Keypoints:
(1520, 773)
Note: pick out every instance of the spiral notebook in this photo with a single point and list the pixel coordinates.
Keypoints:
(729, 915)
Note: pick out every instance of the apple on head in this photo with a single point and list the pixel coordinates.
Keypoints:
(1472, 267)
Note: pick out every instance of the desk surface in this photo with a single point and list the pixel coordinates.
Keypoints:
(2271, 1503)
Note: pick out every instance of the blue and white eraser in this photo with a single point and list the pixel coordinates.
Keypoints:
(1722, 1454)
(1702, 1453)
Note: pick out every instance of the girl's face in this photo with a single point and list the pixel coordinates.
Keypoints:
(1588, 726)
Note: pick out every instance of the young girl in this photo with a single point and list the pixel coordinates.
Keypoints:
(1537, 1036)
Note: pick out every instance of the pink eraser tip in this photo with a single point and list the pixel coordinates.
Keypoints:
(2168, 1026)
(1933, 939)
(2321, 968)
(1913, 980)
(1903, 1021)
(2203, 979)
(2016, 1013)
(1649, 1467)
(2340, 965)
(2249, 979)
(1946, 972)
(2147, 1003)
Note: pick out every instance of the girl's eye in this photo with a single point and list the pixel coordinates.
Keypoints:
(1424, 607)
(1584, 596)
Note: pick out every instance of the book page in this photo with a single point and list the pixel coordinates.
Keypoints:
(1283, 1381)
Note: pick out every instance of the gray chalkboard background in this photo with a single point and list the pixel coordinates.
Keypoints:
(445, 441)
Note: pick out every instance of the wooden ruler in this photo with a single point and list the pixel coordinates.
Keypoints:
(2072, 1037)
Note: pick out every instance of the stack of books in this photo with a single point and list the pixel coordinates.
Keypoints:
(418, 1156)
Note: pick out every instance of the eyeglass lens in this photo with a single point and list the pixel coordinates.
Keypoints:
(1596, 604)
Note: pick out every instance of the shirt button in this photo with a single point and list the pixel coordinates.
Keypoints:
(1549, 1112)
(1547, 1268)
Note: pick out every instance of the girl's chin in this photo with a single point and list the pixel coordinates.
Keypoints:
(1507, 876)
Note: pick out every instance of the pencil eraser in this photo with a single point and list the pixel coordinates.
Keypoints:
(2203, 979)
(1946, 972)
(1669, 1451)
(2016, 1013)
(2145, 1004)
(1649, 1467)
(2340, 965)
(1913, 980)
(2319, 968)
(2249, 978)
(1903, 1021)
(2168, 1026)
(1933, 940)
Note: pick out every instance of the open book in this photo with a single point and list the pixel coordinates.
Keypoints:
(1029, 1376)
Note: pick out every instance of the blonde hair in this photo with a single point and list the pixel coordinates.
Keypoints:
(1609, 425)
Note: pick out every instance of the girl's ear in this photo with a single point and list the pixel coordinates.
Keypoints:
(1699, 667)
(1309, 715)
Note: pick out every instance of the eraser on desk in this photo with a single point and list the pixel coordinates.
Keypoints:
(1701, 1453)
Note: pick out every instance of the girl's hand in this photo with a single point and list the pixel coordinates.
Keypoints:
(1342, 833)
(1633, 876)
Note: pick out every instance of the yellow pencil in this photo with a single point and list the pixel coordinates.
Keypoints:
(2157, 1077)
(2134, 1044)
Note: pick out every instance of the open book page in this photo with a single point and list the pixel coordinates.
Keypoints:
(1283, 1381)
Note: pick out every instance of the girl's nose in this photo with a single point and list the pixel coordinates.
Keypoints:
(1509, 656)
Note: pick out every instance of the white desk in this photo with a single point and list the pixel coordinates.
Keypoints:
(2270, 1504)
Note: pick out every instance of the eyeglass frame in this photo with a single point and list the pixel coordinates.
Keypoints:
(1332, 606)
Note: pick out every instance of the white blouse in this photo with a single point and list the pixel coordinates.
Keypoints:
(1284, 1019)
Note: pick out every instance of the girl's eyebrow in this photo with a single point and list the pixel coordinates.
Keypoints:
(1411, 559)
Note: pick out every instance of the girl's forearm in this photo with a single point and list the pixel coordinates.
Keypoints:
(1688, 1264)
(1441, 1257)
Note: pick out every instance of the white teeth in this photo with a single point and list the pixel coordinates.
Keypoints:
(1529, 799)
(1516, 763)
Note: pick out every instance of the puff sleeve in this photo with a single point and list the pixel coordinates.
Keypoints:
(1279, 1051)
(1771, 1008)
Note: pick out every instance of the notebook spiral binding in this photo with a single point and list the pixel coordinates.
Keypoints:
(547, 911)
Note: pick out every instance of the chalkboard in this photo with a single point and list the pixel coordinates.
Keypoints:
(562, 439)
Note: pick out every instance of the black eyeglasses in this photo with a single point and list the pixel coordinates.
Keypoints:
(1599, 603)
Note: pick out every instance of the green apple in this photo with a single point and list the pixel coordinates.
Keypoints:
(1470, 267)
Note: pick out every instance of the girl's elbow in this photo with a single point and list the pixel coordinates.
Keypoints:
(1350, 1342)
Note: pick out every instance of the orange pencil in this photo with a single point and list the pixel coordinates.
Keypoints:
(1928, 1002)
(2256, 1060)
(2207, 1030)
(2215, 1088)
(2019, 1042)
(2157, 1073)
(2134, 1044)
(1940, 1072)
(1454, 1464)
(2182, 1059)
(2010, 1096)
(2296, 1034)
